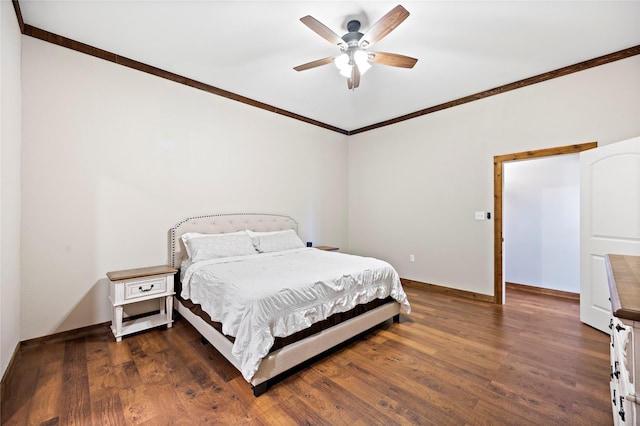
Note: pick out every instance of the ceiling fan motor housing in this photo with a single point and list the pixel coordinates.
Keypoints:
(354, 35)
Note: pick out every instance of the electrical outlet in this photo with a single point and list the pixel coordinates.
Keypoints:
(480, 215)
(412, 258)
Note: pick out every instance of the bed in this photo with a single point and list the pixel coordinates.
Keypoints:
(238, 299)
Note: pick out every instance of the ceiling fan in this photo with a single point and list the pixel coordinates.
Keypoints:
(354, 58)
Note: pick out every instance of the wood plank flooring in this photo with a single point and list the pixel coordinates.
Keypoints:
(453, 361)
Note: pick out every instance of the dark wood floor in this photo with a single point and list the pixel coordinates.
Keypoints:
(452, 361)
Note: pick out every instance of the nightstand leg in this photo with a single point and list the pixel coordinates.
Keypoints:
(169, 308)
(117, 319)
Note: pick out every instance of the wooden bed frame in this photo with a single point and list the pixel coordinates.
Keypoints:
(288, 357)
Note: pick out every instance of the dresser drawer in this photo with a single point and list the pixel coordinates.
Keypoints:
(622, 356)
(144, 288)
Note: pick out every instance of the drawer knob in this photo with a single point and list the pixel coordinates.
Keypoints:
(145, 290)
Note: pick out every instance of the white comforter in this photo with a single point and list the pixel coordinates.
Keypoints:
(263, 296)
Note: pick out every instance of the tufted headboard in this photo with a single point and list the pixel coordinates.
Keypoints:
(223, 223)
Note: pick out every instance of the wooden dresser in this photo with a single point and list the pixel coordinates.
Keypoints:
(623, 274)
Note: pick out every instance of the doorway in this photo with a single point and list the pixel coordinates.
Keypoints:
(498, 184)
(541, 225)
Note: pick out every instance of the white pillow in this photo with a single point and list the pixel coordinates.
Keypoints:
(267, 242)
(211, 246)
(190, 235)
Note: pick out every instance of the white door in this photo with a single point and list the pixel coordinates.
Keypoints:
(609, 221)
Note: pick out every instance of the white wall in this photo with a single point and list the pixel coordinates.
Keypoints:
(541, 222)
(10, 135)
(414, 186)
(112, 158)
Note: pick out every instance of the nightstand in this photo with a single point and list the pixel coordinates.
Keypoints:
(327, 248)
(138, 285)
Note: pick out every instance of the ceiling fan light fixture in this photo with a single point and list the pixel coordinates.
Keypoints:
(361, 58)
(346, 72)
(342, 63)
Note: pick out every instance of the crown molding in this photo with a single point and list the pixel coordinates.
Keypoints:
(50, 37)
(131, 63)
(16, 7)
(560, 72)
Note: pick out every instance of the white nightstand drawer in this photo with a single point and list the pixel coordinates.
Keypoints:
(144, 288)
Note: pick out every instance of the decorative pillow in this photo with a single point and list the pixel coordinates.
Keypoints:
(267, 242)
(211, 246)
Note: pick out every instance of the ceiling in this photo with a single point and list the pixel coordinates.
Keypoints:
(250, 47)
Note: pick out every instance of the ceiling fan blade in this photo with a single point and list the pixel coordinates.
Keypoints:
(392, 59)
(355, 76)
(384, 26)
(313, 64)
(322, 30)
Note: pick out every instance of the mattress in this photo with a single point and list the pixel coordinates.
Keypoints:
(280, 342)
(258, 298)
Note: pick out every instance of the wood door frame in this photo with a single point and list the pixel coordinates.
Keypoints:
(498, 183)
